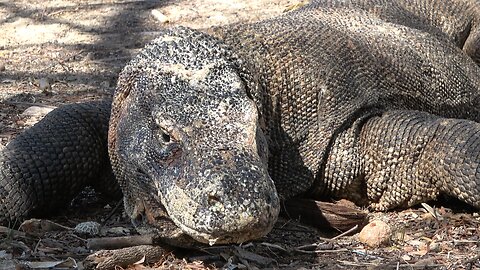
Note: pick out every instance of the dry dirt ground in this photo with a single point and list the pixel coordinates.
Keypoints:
(56, 52)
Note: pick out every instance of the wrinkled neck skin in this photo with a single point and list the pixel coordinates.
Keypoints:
(186, 144)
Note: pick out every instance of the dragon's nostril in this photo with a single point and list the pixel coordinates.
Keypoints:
(165, 137)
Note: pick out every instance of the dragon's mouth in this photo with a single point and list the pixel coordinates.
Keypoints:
(237, 237)
(151, 218)
(154, 221)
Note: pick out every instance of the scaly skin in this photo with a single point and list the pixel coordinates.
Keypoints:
(196, 149)
(44, 167)
(456, 20)
(209, 131)
(314, 88)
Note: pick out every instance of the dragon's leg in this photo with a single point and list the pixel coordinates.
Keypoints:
(402, 158)
(44, 167)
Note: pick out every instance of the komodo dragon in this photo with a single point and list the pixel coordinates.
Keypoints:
(373, 101)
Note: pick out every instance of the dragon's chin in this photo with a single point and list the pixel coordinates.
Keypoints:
(163, 229)
(166, 231)
(150, 218)
(226, 238)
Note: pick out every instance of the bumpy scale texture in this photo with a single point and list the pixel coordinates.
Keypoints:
(454, 20)
(44, 167)
(374, 101)
(322, 68)
(196, 148)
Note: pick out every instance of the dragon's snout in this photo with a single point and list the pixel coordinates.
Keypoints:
(225, 203)
(246, 216)
(231, 200)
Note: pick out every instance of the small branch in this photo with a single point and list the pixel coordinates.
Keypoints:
(313, 248)
(273, 246)
(317, 251)
(119, 242)
(345, 233)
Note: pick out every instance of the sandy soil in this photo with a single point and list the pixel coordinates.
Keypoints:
(56, 52)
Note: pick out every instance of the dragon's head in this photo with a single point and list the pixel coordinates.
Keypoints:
(186, 143)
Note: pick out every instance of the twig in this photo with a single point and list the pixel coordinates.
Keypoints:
(290, 230)
(321, 246)
(79, 238)
(364, 254)
(345, 233)
(273, 246)
(108, 59)
(455, 242)
(35, 249)
(309, 246)
(63, 60)
(357, 263)
(119, 242)
(40, 226)
(431, 210)
(323, 251)
(206, 258)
